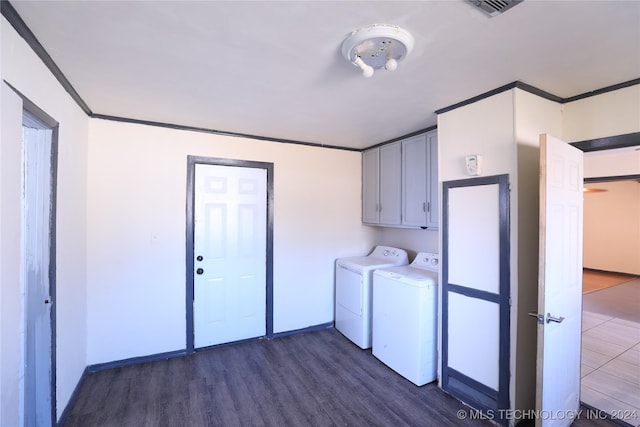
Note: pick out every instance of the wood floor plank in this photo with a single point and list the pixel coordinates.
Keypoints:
(585, 369)
(631, 356)
(593, 280)
(594, 359)
(596, 344)
(615, 333)
(312, 379)
(610, 331)
(627, 413)
(590, 319)
(615, 387)
(621, 369)
(619, 301)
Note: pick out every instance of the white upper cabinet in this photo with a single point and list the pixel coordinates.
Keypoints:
(400, 183)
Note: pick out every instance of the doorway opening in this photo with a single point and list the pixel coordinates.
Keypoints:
(610, 360)
(229, 254)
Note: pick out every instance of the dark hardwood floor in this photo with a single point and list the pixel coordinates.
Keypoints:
(312, 379)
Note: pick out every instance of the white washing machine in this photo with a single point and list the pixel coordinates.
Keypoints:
(405, 318)
(354, 280)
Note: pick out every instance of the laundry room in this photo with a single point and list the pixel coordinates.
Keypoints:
(136, 112)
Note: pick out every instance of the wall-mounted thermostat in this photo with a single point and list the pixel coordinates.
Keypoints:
(474, 164)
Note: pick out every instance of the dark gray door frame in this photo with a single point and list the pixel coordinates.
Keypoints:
(36, 113)
(467, 389)
(191, 167)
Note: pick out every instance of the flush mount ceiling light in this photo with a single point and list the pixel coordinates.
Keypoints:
(377, 46)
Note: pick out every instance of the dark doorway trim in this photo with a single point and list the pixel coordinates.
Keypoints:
(612, 178)
(609, 142)
(191, 167)
(477, 395)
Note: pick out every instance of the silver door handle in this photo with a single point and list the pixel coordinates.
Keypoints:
(550, 318)
(541, 318)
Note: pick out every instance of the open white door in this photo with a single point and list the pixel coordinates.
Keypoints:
(559, 283)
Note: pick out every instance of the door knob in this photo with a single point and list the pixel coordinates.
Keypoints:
(199, 258)
(199, 271)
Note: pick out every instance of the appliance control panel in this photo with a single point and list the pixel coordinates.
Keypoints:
(427, 261)
(390, 253)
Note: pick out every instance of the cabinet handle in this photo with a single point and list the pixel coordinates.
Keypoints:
(424, 206)
(428, 206)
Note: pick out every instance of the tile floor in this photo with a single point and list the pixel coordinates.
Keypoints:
(611, 366)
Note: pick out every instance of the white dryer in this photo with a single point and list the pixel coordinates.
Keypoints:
(354, 280)
(405, 318)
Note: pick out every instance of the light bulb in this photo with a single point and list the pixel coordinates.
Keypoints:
(391, 64)
(367, 70)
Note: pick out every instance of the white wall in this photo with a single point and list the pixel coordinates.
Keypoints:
(616, 162)
(410, 239)
(26, 72)
(609, 114)
(612, 245)
(137, 188)
(505, 129)
(533, 115)
(485, 127)
(11, 325)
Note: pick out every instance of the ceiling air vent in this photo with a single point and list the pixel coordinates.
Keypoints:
(494, 7)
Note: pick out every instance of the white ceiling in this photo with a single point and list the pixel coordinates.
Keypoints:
(274, 68)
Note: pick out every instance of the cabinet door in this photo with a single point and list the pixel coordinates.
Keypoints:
(390, 184)
(432, 179)
(370, 186)
(414, 181)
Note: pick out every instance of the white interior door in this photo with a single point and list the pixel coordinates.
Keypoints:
(560, 282)
(37, 144)
(230, 231)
